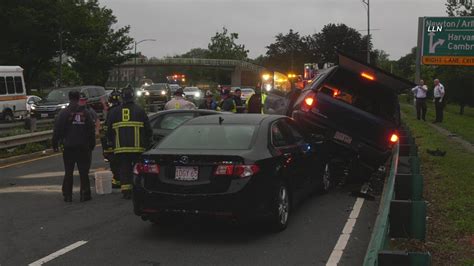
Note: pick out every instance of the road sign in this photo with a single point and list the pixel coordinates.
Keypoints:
(448, 41)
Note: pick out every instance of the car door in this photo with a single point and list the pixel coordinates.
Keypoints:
(285, 145)
(308, 158)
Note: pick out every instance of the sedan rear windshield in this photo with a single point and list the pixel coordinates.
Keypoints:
(210, 137)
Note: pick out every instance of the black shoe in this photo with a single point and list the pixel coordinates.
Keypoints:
(85, 197)
(68, 198)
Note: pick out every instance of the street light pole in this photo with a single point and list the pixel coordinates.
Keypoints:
(135, 61)
(367, 2)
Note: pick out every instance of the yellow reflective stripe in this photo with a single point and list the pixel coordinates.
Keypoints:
(115, 181)
(117, 138)
(177, 105)
(127, 124)
(129, 149)
(126, 187)
(137, 137)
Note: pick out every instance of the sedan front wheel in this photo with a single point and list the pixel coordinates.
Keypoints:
(280, 208)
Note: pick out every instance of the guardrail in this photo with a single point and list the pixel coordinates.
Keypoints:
(402, 212)
(13, 141)
(8, 126)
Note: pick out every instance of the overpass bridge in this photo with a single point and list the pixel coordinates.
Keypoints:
(236, 66)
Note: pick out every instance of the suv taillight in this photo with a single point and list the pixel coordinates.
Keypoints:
(309, 102)
(239, 170)
(141, 168)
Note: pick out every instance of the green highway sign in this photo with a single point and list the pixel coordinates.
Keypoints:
(448, 41)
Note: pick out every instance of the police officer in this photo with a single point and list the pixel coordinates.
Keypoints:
(420, 97)
(74, 129)
(129, 131)
(227, 103)
(255, 103)
(178, 102)
(107, 149)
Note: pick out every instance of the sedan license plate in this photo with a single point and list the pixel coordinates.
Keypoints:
(44, 115)
(186, 173)
(342, 137)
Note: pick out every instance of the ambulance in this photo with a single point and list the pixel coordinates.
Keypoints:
(12, 93)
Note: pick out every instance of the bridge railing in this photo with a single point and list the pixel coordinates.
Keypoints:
(201, 62)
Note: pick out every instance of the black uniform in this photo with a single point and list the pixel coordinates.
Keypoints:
(129, 132)
(75, 130)
(108, 153)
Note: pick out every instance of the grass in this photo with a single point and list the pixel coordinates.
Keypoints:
(448, 189)
(462, 125)
(25, 149)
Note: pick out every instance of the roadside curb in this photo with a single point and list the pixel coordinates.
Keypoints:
(24, 157)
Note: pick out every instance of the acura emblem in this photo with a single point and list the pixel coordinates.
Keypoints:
(184, 160)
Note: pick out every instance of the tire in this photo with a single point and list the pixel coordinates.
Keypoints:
(327, 179)
(280, 208)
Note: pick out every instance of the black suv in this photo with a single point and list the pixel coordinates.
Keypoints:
(353, 106)
(58, 99)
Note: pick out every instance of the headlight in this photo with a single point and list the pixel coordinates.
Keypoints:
(163, 92)
(33, 107)
(63, 106)
(147, 93)
(139, 93)
(198, 94)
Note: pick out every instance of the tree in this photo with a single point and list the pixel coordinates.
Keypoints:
(195, 53)
(33, 30)
(93, 44)
(288, 53)
(338, 37)
(459, 8)
(223, 46)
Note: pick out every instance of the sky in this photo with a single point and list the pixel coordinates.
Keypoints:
(180, 25)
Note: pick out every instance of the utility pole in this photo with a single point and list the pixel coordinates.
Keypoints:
(367, 2)
(135, 61)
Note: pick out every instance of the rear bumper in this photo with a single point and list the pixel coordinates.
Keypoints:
(244, 203)
(367, 154)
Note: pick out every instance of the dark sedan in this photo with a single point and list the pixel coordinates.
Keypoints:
(245, 166)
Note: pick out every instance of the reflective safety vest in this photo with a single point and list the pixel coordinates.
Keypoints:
(128, 128)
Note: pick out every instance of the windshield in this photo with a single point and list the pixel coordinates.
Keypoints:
(58, 95)
(210, 137)
(189, 89)
(157, 87)
(248, 91)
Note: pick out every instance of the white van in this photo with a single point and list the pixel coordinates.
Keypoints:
(12, 93)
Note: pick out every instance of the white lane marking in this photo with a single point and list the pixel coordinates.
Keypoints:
(341, 244)
(57, 253)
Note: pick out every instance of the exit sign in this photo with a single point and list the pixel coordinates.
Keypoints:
(448, 41)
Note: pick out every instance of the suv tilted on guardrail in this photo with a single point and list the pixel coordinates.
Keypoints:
(354, 107)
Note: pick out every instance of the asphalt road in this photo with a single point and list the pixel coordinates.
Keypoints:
(35, 222)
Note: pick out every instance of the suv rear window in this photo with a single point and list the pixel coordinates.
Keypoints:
(364, 94)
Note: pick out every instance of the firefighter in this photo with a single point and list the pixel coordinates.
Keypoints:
(255, 103)
(129, 131)
(108, 150)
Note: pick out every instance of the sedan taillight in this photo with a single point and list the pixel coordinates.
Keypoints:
(239, 170)
(141, 168)
(309, 102)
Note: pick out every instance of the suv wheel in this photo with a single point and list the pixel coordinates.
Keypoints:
(8, 116)
(326, 178)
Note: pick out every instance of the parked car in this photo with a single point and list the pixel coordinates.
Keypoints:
(164, 122)
(12, 93)
(354, 106)
(58, 99)
(31, 100)
(248, 166)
